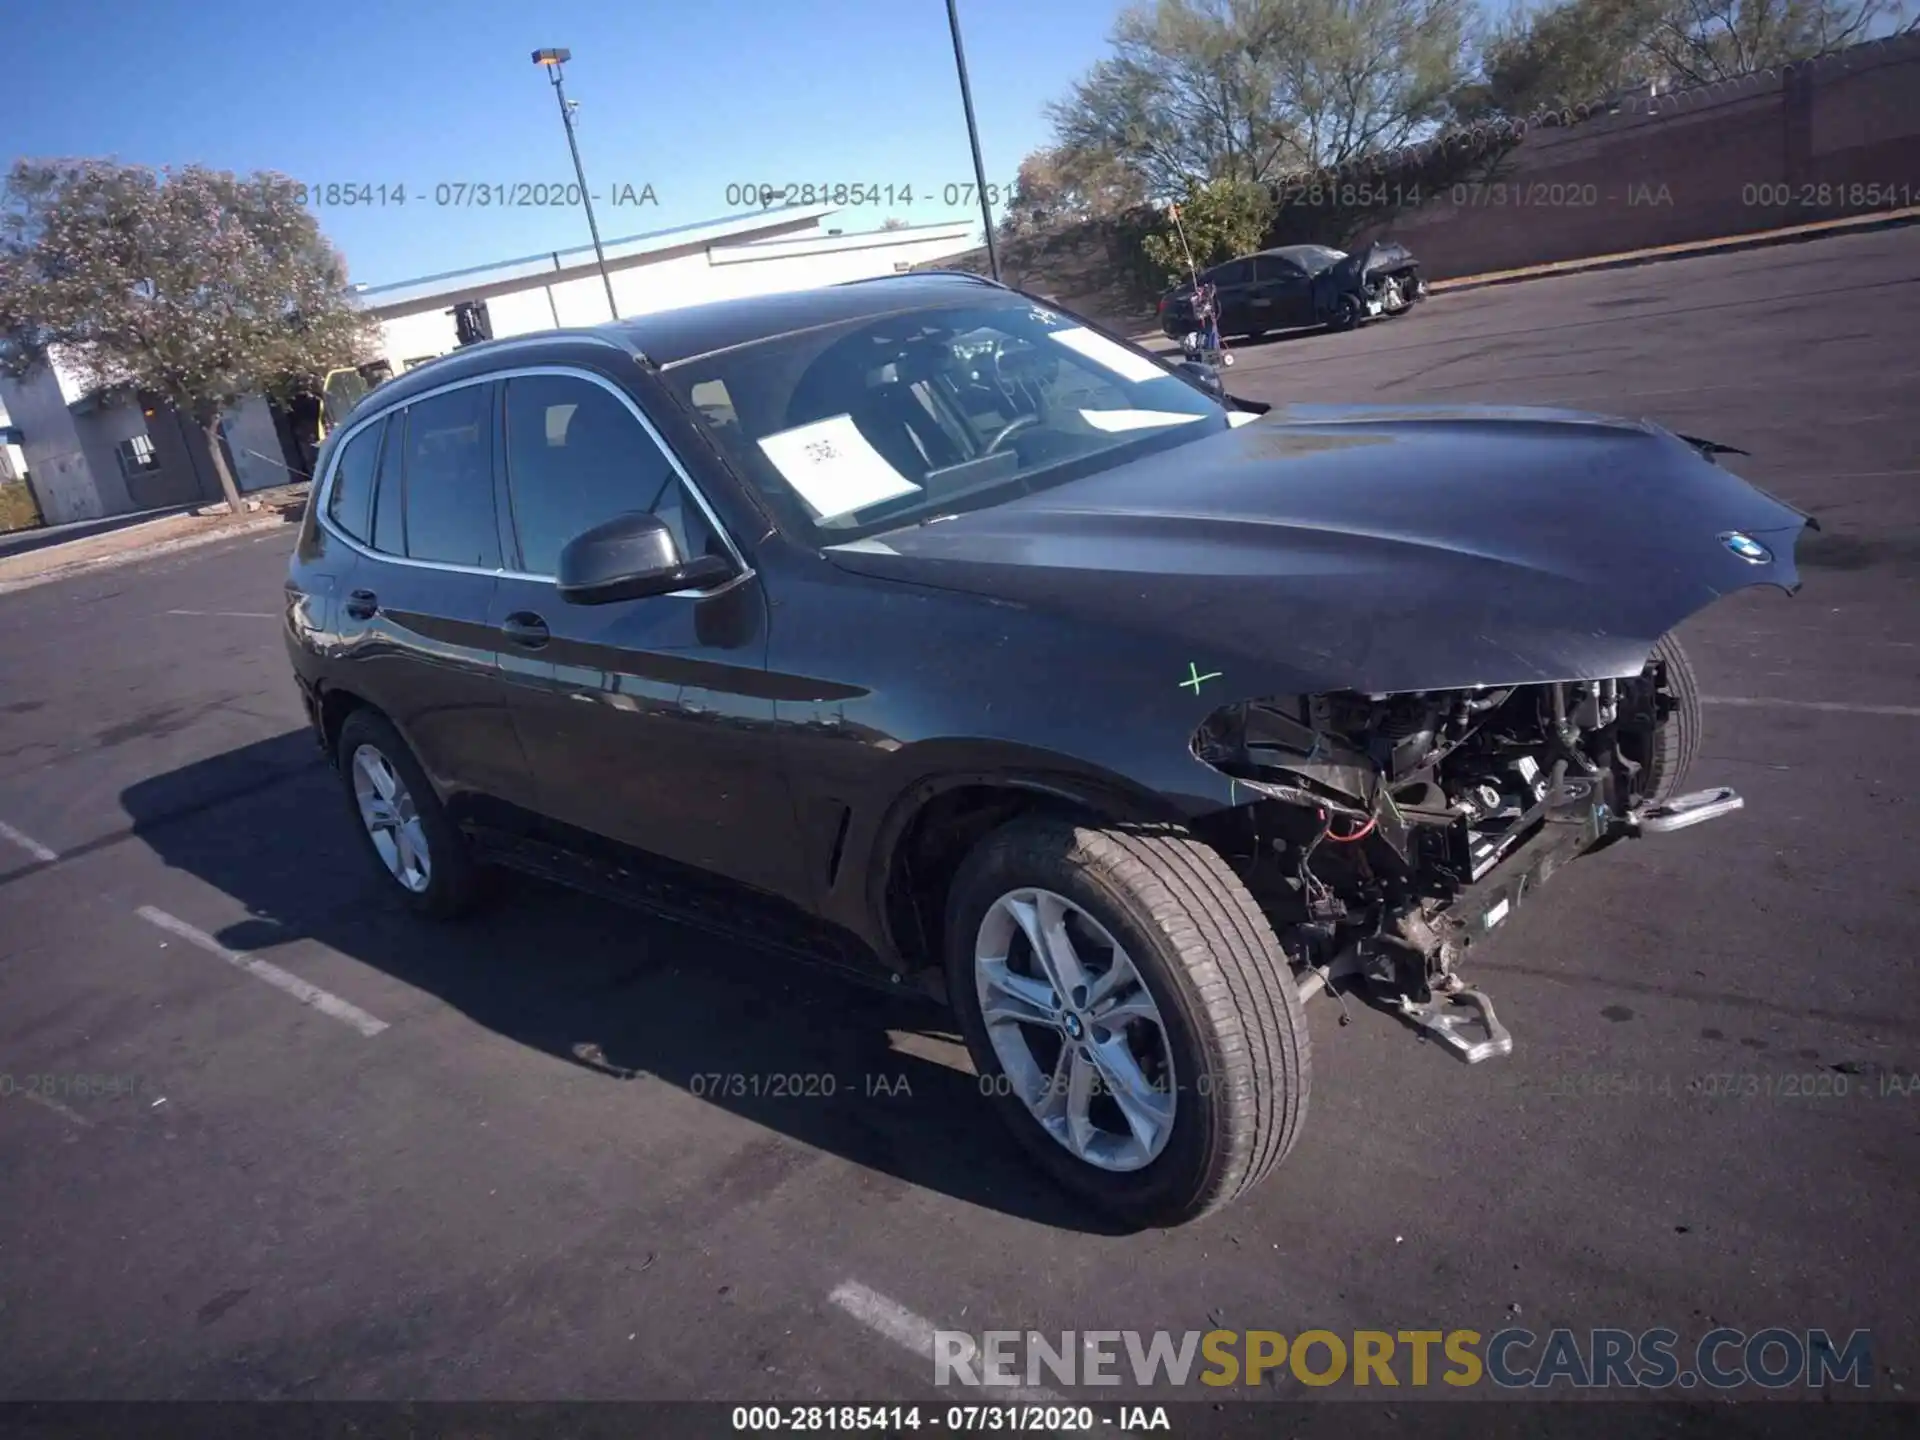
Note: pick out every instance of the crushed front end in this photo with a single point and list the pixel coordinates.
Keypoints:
(1385, 834)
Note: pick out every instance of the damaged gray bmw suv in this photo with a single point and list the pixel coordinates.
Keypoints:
(920, 628)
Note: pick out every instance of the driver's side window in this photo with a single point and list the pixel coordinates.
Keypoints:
(577, 457)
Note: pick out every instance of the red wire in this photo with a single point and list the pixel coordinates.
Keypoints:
(1360, 834)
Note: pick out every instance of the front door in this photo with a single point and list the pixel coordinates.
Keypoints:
(647, 721)
(1286, 292)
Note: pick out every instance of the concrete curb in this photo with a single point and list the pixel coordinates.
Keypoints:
(1790, 235)
(267, 520)
(40, 537)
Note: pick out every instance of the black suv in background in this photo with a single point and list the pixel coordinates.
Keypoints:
(1293, 286)
(918, 627)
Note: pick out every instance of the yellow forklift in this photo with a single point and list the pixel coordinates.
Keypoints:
(343, 389)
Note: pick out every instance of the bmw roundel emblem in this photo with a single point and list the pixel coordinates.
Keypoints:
(1746, 547)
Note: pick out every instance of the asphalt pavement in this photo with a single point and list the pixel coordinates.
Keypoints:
(494, 1165)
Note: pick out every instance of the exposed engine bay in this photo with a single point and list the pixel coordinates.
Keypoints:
(1394, 830)
(1383, 279)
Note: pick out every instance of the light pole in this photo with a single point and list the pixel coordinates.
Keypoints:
(553, 60)
(973, 137)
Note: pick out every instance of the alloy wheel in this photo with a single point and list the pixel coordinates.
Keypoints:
(392, 821)
(1075, 1029)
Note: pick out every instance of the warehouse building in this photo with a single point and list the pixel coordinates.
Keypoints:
(754, 254)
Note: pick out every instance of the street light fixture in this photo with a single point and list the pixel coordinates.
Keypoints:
(552, 60)
(973, 137)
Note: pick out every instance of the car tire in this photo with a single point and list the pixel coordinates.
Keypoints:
(1346, 314)
(1226, 1024)
(1676, 740)
(421, 853)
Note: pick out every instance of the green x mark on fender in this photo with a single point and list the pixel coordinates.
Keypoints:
(1196, 679)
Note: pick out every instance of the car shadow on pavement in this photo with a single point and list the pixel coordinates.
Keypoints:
(875, 1078)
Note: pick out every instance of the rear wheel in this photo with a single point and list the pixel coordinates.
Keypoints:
(1129, 1013)
(412, 840)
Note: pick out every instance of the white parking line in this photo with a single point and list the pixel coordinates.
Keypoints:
(916, 1333)
(1836, 707)
(321, 1000)
(232, 614)
(27, 843)
(54, 1105)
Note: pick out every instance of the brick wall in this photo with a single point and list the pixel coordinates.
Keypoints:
(1835, 137)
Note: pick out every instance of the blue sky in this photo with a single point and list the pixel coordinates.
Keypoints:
(687, 97)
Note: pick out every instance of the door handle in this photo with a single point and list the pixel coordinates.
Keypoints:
(361, 604)
(525, 629)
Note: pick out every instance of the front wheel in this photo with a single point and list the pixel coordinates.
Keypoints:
(1347, 313)
(1130, 1014)
(1675, 739)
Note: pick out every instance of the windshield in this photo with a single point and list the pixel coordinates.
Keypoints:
(852, 429)
(1315, 258)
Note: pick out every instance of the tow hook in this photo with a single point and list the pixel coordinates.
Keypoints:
(1459, 1016)
(1683, 810)
(1463, 1020)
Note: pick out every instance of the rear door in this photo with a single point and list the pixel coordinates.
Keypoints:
(1234, 283)
(649, 721)
(413, 613)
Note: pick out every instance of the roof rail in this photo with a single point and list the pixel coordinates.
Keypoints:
(592, 336)
(910, 274)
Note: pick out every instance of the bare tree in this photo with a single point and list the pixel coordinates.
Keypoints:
(1700, 41)
(1585, 50)
(1059, 185)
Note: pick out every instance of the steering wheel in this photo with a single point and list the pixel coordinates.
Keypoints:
(1018, 423)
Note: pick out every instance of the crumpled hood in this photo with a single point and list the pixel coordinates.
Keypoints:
(1377, 548)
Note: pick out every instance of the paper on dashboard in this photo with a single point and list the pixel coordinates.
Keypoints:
(1116, 421)
(833, 467)
(1108, 354)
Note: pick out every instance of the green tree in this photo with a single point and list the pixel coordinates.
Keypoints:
(1220, 219)
(1200, 90)
(196, 285)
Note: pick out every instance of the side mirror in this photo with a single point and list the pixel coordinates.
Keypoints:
(629, 557)
(1205, 376)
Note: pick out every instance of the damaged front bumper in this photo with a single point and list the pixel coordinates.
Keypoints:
(1423, 985)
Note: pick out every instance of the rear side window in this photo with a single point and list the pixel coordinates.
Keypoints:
(389, 498)
(1234, 272)
(448, 471)
(577, 457)
(350, 503)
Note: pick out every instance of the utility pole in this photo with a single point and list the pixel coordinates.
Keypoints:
(553, 60)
